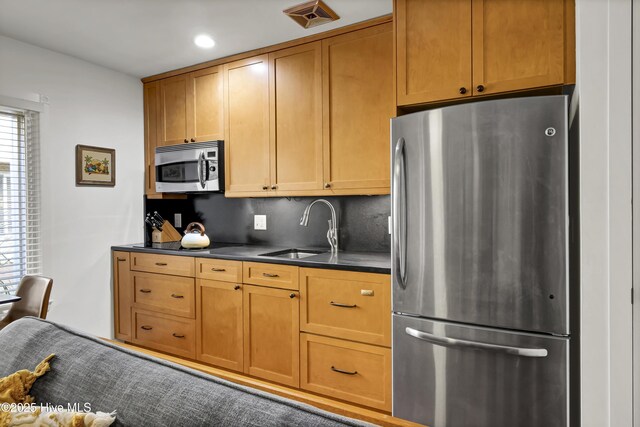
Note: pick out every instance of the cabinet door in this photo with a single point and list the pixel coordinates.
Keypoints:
(151, 96)
(204, 105)
(517, 44)
(358, 105)
(295, 85)
(122, 296)
(173, 110)
(271, 334)
(219, 324)
(433, 42)
(246, 95)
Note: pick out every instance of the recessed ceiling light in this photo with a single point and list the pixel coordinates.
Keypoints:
(204, 41)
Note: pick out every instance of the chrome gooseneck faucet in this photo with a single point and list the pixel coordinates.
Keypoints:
(332, 233)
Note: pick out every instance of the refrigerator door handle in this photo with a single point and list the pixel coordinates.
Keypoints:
(399, 202)
(453, 342)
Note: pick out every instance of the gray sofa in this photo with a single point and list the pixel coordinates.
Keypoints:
(145, 391)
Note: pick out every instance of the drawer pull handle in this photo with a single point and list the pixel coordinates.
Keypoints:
(122, 259)
(218, 269)
(145, 291)
(340, 371)
(177, 296)
(161, 264)
(146, 328)
(270, 275)
(236, 287)
(177, 335)
(338, 304)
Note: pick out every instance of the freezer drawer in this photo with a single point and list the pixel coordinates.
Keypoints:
(447, 374)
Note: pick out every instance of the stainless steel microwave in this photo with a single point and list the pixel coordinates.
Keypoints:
(190, 168)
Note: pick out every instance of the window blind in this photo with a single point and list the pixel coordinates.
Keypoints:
(20, 250)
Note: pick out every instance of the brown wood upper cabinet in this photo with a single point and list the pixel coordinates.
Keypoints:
(358, 104)
(191, 107)
(450, 49)
(151, 97)
(274, 122)
(295, 88)
(433, 47)
(246, 98)
(315, 121)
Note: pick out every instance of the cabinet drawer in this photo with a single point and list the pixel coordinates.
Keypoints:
(165, 333)
(358, 373)
(218, 269)
(349, 305)
(272, 275)
(164, 293)
(166, 264)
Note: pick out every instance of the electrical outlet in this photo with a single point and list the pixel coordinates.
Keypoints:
(259, 222)
(389, 224)
(177, 220)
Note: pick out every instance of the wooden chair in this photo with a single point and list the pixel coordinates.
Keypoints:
(34, 291)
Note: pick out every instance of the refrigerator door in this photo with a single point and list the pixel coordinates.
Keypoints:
(480, 214)
(451, 375)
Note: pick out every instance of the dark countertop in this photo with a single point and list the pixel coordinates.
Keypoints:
(371, 262)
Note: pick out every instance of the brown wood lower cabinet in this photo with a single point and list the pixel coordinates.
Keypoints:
(359, 373)
(219, 326)
(246, 317)
(271, 334)
(121, 296)
(163, 332)
(164, 293)
(346, 304)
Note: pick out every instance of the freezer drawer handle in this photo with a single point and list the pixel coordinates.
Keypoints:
(399, 215)
(452, 342)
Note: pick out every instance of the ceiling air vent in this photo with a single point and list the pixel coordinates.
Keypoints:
(311, 13)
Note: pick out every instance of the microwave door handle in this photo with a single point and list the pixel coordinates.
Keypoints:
(478, 345)
(202, 170)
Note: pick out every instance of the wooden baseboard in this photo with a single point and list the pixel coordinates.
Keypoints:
(324, 403)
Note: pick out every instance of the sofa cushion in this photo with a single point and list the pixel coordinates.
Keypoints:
(145, 391)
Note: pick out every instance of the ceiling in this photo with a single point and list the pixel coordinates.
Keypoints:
(146, 37)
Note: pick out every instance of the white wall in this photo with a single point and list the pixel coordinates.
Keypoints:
(91, 105)
(604, 82)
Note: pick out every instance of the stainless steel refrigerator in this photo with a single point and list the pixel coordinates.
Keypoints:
(480, 264)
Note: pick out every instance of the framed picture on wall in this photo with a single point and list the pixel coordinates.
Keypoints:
(95, 166)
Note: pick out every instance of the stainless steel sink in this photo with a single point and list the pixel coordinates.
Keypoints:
(292, 253)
